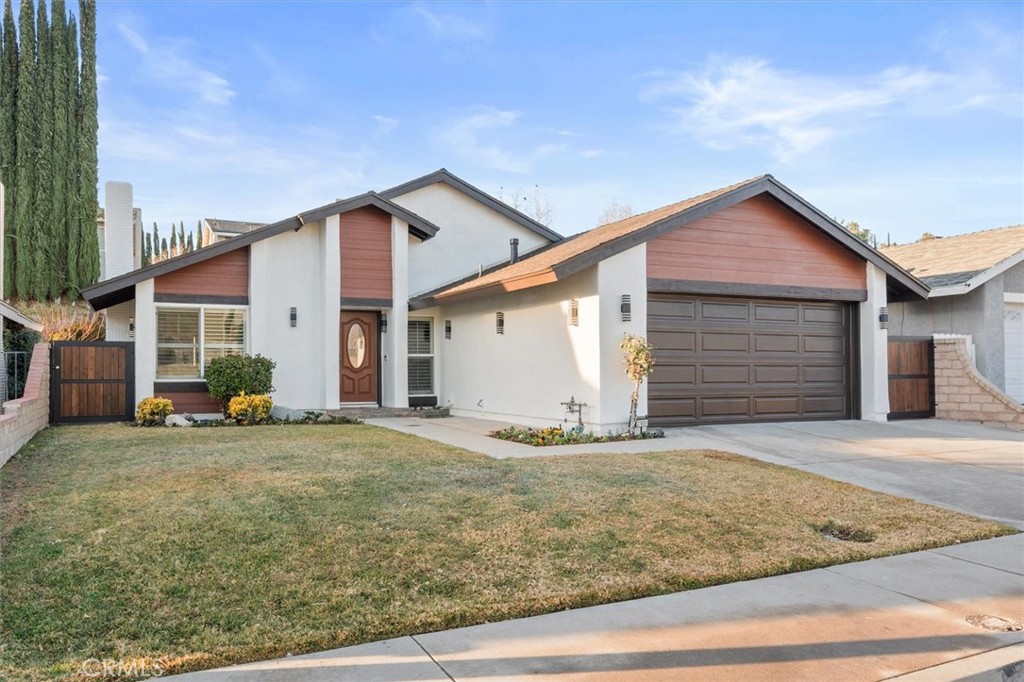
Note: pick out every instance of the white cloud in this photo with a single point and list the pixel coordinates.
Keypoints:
(592, 153)
(737, 102)
(449, 26)
(166, 62)
(385, 124)
(463, 136)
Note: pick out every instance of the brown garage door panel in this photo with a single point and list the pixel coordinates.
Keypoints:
(732, 360)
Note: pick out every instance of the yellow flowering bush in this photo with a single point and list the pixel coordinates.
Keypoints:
(250, 409)
(153, 411)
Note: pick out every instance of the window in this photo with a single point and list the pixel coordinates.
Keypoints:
(421, 357)
(187, 339)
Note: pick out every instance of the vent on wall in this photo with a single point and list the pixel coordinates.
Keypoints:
(626, 308)
(574, 313)
(499, 322)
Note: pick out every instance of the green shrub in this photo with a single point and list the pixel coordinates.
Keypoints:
(250, 409)
(21, 340)
(234, 375)
(153, 411)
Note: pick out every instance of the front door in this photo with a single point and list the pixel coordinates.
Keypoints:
(359, 357)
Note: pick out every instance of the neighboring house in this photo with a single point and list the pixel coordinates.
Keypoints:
(217, 230)
(760, 307)
(977, 289)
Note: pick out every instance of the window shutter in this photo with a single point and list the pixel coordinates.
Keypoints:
(223, 333)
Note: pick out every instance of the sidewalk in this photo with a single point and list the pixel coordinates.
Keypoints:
(907, 617)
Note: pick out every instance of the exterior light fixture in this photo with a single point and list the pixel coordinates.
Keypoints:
(883, 317)
(574, 313)
(499, 323)
(626, 307)
(447, 329)
(131, 327)
(383, 323)
(293, 317)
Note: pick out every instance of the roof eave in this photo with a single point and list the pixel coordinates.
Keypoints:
(14, 315)
(980, 279)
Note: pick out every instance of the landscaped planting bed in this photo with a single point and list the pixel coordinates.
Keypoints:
(194, 548)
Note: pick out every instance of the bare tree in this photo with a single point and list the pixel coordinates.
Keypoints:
(615, 212)
(537, 207)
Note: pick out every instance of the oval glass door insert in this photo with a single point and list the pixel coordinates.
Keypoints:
(356, 344)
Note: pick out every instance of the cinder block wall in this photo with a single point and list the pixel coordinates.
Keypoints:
(962, 394)
(24, 417)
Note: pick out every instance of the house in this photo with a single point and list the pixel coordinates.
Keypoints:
(977, 289)
(433, 292)
(217, 230)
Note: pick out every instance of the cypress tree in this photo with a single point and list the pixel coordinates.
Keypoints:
(156, 242)
(71, 203)
(147, 250)
(59, 104)
(25, 283)
(9, 137)
(45, 249)
(199, 234)
(163, 248)
(174, 242)
(89, 257)
(181, 237)
(191, 244)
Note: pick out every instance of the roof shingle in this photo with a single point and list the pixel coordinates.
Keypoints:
(945, 261)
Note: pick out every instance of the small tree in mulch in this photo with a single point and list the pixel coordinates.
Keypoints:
(638, 358)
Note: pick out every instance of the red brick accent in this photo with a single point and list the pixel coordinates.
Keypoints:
(24, 417)
(962, 394)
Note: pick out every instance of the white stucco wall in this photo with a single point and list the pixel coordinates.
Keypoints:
(287, 271)
(471, 235)
(394, 342)
(624, 273)
(145, 340)
(874, 351)
(118, 322)
(539, 362)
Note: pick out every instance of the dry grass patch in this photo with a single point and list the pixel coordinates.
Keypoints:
(202, 547)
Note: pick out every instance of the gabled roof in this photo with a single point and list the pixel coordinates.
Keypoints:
(584, 250)
(231, 226)
(443, 176)
(959, 264)
(9, 312)
(122, 288)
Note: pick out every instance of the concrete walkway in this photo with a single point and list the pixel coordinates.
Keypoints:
(908, 617)
(917, 617)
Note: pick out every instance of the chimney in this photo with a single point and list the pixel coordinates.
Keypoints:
(119, 230)
(514, 248)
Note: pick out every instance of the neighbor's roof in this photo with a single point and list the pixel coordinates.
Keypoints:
(577, 253)
(443, 176)
(122, 288)
(232, 226)
(951, 261)
(9, 312)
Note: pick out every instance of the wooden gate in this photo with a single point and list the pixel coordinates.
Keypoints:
(92, 381)
(911, 377)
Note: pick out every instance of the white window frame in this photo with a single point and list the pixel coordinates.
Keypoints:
(201, 307)
(432, 355)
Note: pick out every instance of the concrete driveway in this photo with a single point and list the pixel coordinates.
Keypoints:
(967, 467)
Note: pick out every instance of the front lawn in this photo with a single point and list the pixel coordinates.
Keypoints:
(203, 547)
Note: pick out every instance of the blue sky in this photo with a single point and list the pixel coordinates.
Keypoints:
(907, 117)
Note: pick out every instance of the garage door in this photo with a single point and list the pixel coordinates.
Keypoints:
(721, 360)
(1013, 317)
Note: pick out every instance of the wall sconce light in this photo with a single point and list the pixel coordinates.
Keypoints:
(883, 317)
(293, 317)
(574, 313)
(131, 327)
(499, 322)
(447, 329)
(626, 307)
(383, 323)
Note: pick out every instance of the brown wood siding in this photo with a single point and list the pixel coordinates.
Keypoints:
(91, 381)
(757, 241)
(225, 275)
(911, 377)
(366, 254)
(190, 402)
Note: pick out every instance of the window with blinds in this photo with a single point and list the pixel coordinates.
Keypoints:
(223, 333)
(421, 357)
(187, 339)
(177, 343)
